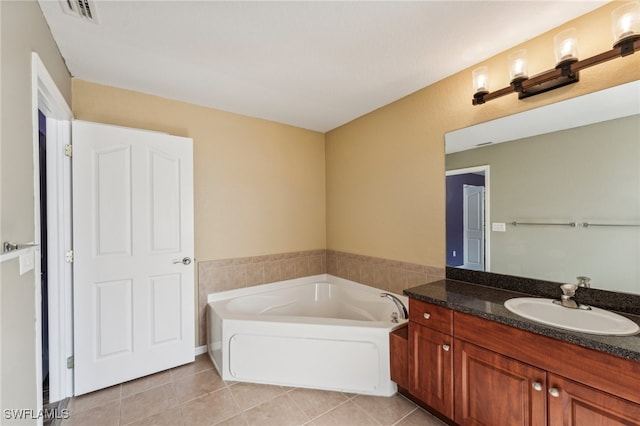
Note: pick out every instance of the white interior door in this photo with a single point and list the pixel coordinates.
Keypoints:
(133, 226)
(473, 233)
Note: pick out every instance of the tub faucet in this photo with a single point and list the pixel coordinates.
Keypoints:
(403, 310)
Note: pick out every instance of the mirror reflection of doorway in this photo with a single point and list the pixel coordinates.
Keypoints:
(467, 215)
(473, 227)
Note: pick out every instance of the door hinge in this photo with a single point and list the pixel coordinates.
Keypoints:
(68, 256)
(70, 362)
(68, 150)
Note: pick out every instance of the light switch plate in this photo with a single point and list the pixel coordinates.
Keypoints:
(499, 227)
(27, 262)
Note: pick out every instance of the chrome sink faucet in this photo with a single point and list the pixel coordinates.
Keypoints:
(567, 300)
(403, 309)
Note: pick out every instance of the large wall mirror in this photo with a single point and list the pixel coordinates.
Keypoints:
(552, 193)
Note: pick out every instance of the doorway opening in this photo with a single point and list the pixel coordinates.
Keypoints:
(44, 301)
(51, 118)
(467, 208)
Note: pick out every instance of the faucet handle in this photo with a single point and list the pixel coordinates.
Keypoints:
(583, 281)
(569, 289)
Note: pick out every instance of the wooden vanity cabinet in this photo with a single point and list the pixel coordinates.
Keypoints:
(487, 373)
(431, 355)
(492, 389)
(531, 379)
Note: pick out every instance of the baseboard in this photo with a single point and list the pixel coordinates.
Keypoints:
(199, 350)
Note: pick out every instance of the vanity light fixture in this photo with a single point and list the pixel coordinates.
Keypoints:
(626, 34)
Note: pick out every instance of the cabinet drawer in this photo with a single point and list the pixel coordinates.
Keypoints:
(433, 316)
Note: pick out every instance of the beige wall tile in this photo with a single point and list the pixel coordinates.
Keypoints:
(255, 274)
(301, 267)
(288, 269)
(317, 264)
(228, 274)
(272, 271)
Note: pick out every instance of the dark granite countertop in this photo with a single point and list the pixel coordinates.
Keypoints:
(488, 302)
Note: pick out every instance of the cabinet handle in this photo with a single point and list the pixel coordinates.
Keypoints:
(426, 315)
(554, 392)
(537, 386)
(446, 348)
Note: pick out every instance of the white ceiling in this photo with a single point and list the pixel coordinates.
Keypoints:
(311, 64)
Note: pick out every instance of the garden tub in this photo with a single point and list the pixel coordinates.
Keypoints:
(320, 332)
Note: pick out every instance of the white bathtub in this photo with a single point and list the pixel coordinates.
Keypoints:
(319, 332)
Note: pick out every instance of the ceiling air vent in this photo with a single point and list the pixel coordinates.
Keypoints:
(85, 9)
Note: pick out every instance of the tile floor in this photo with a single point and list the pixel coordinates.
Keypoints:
(194, 394)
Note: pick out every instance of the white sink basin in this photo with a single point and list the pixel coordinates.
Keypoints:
(594, 321)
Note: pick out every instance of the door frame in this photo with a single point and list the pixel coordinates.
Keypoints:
(47, 98)
(487, 204)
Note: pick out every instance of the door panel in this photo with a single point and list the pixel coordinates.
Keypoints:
(473, 223)
(166, 308)
(133, 224)
(112, 198)
(430, 367)
(113, 321)
(492, 389)
(579, 405)
(164, 184)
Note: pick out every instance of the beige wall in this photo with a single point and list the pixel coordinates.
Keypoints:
(259, 185)
(385, 170)
(23, 30)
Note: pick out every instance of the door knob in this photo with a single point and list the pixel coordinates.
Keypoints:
(537, 386)
(184, 261)
(554, 392)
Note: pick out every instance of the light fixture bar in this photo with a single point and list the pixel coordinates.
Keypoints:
(561, 76)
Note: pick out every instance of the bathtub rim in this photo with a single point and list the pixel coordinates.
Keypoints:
(227, 295)
(357, 331)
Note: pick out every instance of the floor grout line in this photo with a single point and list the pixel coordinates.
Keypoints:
(405, 416)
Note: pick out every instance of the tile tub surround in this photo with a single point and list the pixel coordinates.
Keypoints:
(488, 302)
(390, 275)
(194, 395)
(231, 274)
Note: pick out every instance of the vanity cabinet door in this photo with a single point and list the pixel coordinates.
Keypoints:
(492, 389)
(574, 404)
(430, 367)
